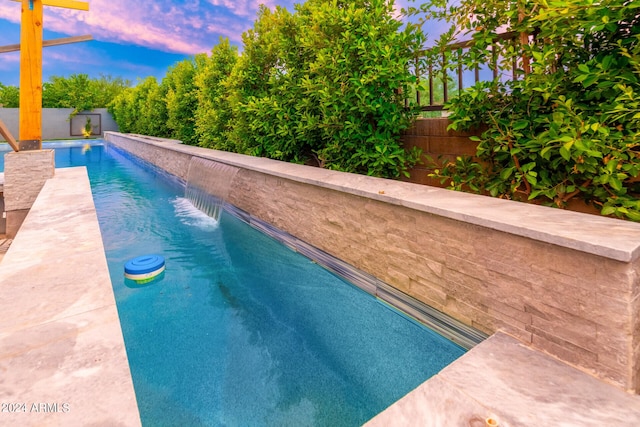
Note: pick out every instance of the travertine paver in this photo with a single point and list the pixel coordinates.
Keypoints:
(62, 354)
(4, 247)
(517, 386)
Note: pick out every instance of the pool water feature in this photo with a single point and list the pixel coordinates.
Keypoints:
(208, 185)
(241, 330)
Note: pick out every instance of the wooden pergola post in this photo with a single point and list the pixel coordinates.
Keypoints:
(30, 116)
(30, 119)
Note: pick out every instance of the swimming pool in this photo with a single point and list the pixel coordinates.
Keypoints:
(67, 152)
(242, 330)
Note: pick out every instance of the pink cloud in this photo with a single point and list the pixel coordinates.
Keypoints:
(10, 11)
(247, 8)
(191, 28)
(10, 61)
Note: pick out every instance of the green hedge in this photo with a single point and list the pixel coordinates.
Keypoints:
(322, 85)
(570, 128)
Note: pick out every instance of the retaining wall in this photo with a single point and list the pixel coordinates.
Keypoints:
(561, 282)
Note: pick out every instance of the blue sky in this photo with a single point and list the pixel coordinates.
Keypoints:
(132, 38)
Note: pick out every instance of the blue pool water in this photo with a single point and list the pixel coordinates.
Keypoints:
(67, 152)
(240, 330)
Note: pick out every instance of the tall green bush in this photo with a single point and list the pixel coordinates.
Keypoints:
(121, 108)
(568, 129)
(214, 116)
(268, 96)
(323, 85)
(357, 76)
(142, 109)
(9, 96)
(182, 98)
(326, 84)
(80, 92)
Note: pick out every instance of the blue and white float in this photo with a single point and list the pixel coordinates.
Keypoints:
(144, 269)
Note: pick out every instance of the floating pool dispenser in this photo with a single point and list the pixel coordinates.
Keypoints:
(144, 269)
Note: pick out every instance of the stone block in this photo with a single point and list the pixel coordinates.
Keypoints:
(570, 353)
(574, 329)
(25, 173)
(13, 222)
(425, 290)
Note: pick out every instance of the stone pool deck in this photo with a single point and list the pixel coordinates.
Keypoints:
(62, 354)
(503, 379)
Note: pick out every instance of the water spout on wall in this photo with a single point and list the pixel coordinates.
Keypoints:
(208, 185)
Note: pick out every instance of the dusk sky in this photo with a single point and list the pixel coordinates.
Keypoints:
(132, 38)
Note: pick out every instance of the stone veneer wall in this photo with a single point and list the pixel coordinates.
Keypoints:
(562, 282)
(25, 173)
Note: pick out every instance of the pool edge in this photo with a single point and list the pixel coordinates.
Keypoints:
(62, 355)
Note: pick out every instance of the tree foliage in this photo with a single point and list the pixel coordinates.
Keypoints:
(80, 92)
(142, 109)
(182, 98)
(320, 85)
(214, 116)
(570, 127)
(9, 96)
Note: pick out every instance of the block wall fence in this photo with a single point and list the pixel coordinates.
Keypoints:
(56, 123)
(562, 282)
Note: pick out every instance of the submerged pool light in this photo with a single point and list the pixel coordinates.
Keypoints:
(144, 269)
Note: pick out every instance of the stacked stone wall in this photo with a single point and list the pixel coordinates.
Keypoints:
(573, 295)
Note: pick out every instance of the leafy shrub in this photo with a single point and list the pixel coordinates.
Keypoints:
(325, 84)
(214, 117)
(80, 92)
(182, 98)
(9, 96)
(322, 85)
(570, 127)
(142, 109)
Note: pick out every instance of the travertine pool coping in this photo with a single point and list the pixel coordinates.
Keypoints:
(62, 354)
(515, 385)
(618, 240)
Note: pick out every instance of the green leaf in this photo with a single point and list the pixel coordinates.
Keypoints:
(506, 173)
(545, 152)
(633, 215)
(520, 124)
(615, 183)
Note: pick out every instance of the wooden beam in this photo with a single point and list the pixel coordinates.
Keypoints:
(67, 4)
(4, 131)
(47, 43)
(30, 127)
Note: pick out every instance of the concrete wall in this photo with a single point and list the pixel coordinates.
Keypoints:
(561, 282)
(56, 123)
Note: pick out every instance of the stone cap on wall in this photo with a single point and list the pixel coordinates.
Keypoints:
(607, 237)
